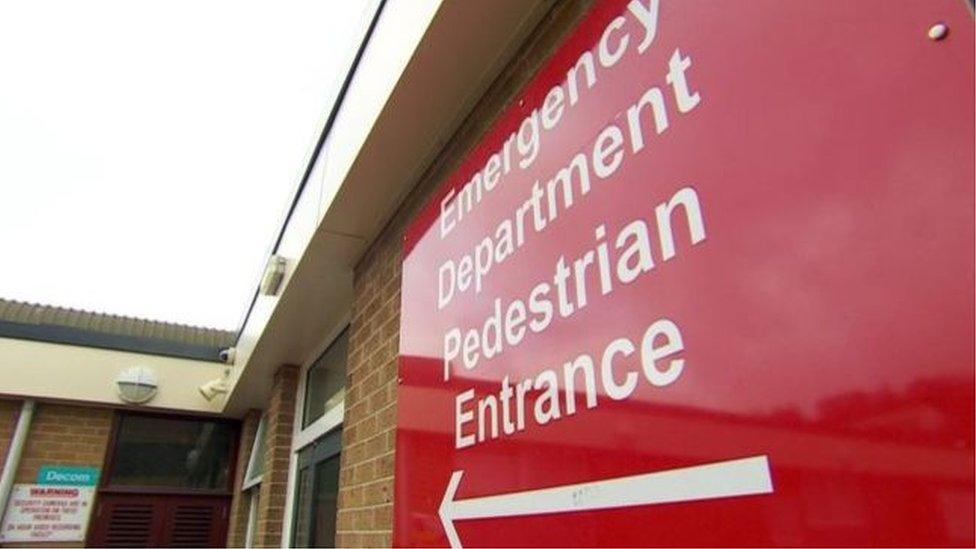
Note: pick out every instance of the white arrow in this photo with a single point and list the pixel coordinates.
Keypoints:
(738, 477)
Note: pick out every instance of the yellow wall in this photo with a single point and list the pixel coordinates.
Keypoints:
(50, 370)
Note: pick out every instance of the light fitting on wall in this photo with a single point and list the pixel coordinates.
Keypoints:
(136, 385)
(274, 273)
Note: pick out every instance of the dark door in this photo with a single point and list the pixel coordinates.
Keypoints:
(317, 494)
(167, 482)
(126, 520)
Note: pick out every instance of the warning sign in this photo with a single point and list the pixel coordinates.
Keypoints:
(47, 513)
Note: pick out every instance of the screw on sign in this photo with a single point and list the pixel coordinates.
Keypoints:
(707, 271)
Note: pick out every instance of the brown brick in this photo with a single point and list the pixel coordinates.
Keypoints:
(52, 440)
(369, 436)
(278, 430)
(378, 539)
(385, 466)
(240, 504)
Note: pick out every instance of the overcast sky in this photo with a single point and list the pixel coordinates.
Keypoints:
(149, 150)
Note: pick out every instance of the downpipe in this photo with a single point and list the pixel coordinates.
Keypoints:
(13, 454)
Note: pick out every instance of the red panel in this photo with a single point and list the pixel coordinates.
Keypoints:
(825, 306)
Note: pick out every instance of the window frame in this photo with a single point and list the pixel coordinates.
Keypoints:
(302, 437)
(251, 481)
(330, 420)
(253, 500)
(330, 416)
(324, 449)
(111, 450)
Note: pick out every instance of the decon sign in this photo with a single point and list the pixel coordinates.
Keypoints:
(655, 304)
(67, 475)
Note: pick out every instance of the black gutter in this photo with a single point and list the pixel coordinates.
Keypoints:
(68, 335)
(318, 148)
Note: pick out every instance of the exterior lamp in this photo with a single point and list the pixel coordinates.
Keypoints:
(136, 385)
(274, 273)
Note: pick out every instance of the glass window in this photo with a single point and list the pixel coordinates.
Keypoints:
(172, 453)
(303, 504)
(326, 498)
(255, 463)
(252, 516)
(325, 386)
(317, 492)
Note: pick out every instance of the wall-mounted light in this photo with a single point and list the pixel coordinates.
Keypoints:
(274, 273)
(136, 385)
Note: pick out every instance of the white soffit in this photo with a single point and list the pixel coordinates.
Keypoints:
(425, 67)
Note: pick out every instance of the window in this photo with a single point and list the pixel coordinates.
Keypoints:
(255, 463)
(317, 492)
(325, 383)
(252, 480)
(168, 452)
(313, 480)
(254, 497)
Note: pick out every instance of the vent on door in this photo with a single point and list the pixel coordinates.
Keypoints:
(129, 520)
(128, 524)
(191, 525)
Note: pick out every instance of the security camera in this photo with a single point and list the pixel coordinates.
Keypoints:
(212, 388)
(228, 355)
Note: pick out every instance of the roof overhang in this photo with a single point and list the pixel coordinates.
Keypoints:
(426, 66)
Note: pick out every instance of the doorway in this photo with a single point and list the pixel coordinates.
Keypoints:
(317, 492)
(167, 482)
(132, 520)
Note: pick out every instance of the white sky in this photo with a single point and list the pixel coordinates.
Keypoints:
(149, 150)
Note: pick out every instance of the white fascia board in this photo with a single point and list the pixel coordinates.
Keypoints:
(424, 68)
(398, 33)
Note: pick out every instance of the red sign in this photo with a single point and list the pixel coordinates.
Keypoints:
(709, 281)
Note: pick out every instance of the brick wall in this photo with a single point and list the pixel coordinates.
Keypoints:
(366, 479)
(64, 435)
(240, 506)
(59, 435)
(365, 516)
(274, 480)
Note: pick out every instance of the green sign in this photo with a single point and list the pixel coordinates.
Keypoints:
(67, 476)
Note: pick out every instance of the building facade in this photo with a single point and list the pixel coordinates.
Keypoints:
(345, 413)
